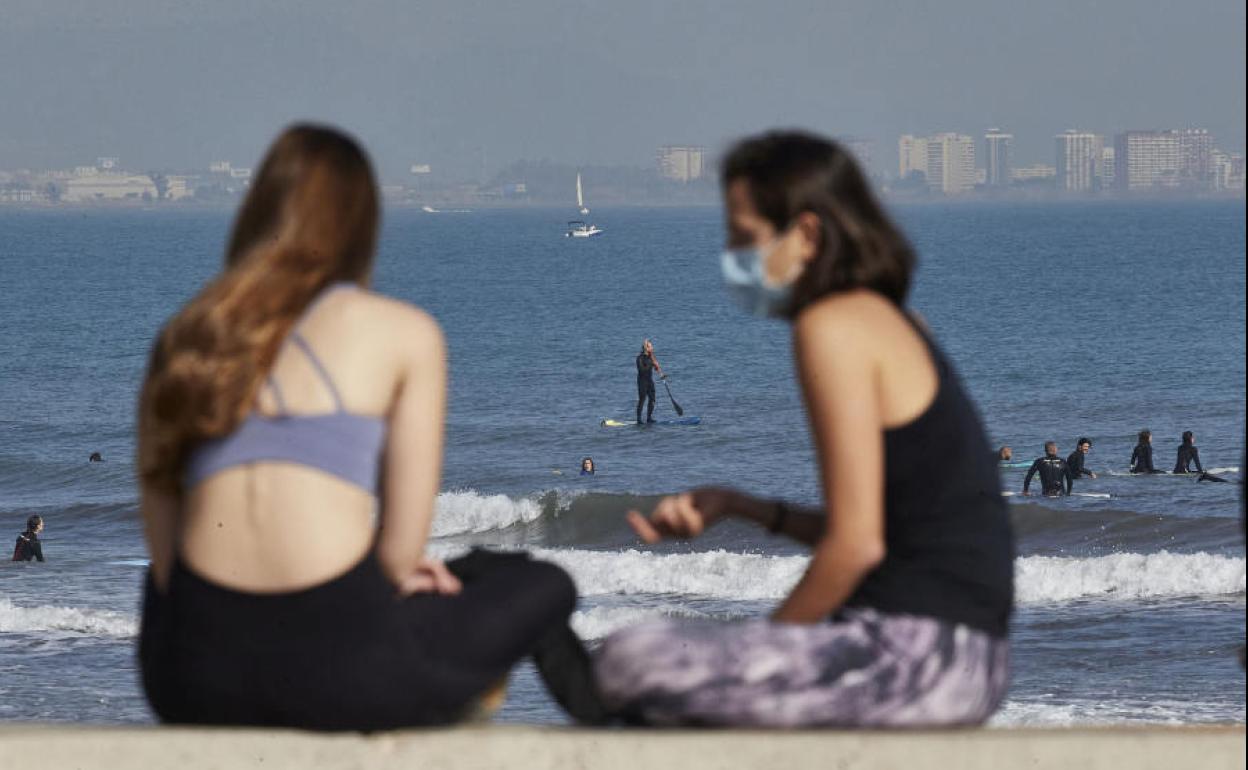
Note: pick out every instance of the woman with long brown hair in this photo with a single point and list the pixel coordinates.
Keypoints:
(902, 617)
(289, 452)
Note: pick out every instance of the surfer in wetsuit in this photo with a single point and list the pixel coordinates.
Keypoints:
(647, 364)
(28, 547)
(1054, 475)
(1142, 455)
(1189, 454)
(1074, 463)
(587, 466)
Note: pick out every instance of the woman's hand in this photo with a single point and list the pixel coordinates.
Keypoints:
(685, 515)
(430, 577)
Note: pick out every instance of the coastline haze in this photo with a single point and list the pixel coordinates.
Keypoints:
(469, 86)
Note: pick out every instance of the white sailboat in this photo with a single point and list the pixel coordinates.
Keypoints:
(578, 228)
(580, 196)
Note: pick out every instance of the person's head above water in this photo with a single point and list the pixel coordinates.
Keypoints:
(309, 220)
(95, 457)
(34, 524)
(587, 466)
(1005, 454)
(1146, 437)
(1050, 448)
(1189, 438)
(803, 223)
(1084, 445)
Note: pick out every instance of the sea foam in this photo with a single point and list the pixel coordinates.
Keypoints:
(1038, 579)
(42, 619)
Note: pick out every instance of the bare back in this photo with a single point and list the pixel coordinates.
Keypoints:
(279, 526)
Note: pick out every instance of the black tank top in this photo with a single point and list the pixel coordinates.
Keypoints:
(950, 548)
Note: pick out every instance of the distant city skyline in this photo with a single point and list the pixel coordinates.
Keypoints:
(1185, 161)
(469, 86)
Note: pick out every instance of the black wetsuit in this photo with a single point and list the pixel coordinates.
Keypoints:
(1142, 459)
(28, 548)
(1054, 476)
(1074, 466)
(1188, 454)
(645, 384)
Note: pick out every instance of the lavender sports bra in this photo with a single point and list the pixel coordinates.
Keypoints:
(340, 443)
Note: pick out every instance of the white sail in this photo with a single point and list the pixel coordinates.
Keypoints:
(580, 196)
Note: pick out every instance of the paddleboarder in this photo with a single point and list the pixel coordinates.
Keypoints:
(647, 364)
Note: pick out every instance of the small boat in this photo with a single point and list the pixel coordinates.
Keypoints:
(579, 229)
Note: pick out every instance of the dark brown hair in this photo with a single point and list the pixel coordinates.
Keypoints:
(310, 219)
(791, 172)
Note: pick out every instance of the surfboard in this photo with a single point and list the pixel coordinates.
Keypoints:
(613, 423)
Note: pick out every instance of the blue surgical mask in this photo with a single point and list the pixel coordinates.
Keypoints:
(745, 275)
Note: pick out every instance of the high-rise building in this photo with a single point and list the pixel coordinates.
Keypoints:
(911, 156)
(1147, 160)
(950, 163)
(1108, 168)
(1227, 171)
(1079, 161)
(997, 157)
(681, 163)
(1195, 161)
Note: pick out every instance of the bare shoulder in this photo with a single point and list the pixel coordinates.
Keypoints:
(849, 321)
(394, 319)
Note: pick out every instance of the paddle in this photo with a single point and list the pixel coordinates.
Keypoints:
(679, 412)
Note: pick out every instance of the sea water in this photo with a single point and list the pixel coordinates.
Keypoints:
(1065, 320)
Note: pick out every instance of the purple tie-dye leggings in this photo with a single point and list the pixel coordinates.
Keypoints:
(867, 669)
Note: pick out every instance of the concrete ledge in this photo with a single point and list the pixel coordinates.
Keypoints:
(536, 748)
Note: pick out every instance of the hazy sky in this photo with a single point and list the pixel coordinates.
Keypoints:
(458, 82)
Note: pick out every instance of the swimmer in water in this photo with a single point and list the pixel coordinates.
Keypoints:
(95, 457)
(1074, 463)
(1142, 455)
(1005, 455)
(28, 547)
(587, 466)
(1054, 475)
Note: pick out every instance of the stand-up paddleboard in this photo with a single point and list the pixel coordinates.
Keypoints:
(610, 423)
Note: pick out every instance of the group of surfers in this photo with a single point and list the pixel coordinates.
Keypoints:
(1058, 476)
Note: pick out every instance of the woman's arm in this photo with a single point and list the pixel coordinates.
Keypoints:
(412, 470)
(836, 358)
(160, 517)
(690, 513)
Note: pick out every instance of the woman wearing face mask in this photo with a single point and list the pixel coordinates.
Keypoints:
(901, 618)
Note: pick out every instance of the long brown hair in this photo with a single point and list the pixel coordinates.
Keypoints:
(791, 172)
(309, 220)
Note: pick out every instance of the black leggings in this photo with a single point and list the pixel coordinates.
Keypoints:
(645, 389)
(350, 655)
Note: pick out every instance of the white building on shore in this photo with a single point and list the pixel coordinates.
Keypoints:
(1079, 158)
(98, 186)
(681, 163)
